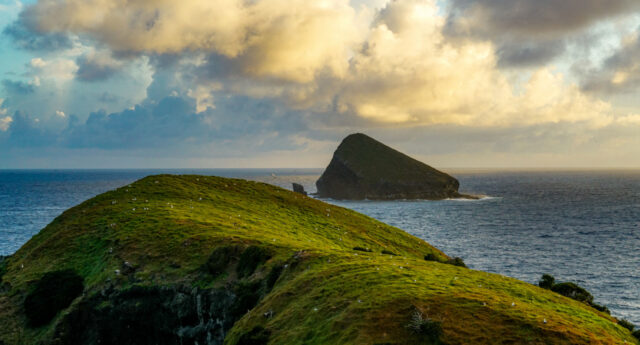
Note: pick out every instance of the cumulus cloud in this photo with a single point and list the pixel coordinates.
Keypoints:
(536, 17)
(531, 32)
(398, 67)
(275, 38)
(17, 87)
(5, 121)
(260, 72)
(59, 69)
(620, 72)
(24, 37)
(97, 66)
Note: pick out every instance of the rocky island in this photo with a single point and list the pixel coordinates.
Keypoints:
(191, 259)
(364, 168)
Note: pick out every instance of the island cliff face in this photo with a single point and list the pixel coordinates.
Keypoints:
(364, 168)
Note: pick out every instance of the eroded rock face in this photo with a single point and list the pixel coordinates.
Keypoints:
(153, 315)
(364, 168)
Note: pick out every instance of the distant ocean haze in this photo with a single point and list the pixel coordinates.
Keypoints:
(580, 226)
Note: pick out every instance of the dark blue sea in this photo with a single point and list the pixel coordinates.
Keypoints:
(580, 226)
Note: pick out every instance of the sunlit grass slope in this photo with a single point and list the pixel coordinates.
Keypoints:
(327, 293)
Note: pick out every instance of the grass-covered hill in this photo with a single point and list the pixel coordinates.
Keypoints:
(186, 259)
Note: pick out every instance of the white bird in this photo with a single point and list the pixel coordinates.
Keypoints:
(545, 321)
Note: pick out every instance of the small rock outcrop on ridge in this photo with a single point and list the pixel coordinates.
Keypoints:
(364, 168)
(298, 188)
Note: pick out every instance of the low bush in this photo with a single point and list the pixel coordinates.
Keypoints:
(389, 253)
(636, 334)
(432, 257)
(547, 281)
(573, 291)
(250, 259)
(601, 308)
(360, 249)
(257, 336)
(457, 262)
(52, 293)
(425, 327)
(626, 324)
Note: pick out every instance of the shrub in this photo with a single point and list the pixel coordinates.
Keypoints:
(53, 292)
(457, 262)
(626, 324)
(636, 334)
(547, 281)
(362, 249)
(389, 253)
(257, 336)
(425, 327)
(220, 259)
(432, 257)
(573, 291)
(273, 276)
(600, 308)
(250, 259)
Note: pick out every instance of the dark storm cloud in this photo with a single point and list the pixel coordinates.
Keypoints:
(531, 32)
(25, 37)
(17, 87)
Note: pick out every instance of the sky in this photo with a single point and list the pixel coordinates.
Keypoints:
(278, 83)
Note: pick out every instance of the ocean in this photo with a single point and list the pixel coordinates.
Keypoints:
(580, 226)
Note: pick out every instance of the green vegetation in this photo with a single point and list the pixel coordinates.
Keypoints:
(250, 259)
(425, 328)
(626, 324)
(187, 239)
(257, 336)
(572, 291)
(52, 293)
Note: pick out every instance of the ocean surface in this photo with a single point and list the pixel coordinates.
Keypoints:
(580, 226)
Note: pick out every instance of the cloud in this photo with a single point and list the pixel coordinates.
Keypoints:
(5, 121)
(620, 72)
(274, 38)
(18, 87)
(532, 32)
(541, 18)
(173, 124)
(25, 37)
(236, 76)
(59, 69)
(394, 66)
(97, 66)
